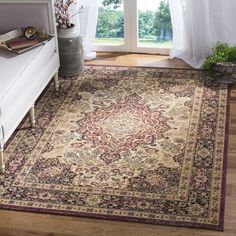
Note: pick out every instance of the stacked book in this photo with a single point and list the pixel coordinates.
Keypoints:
(16, 42)
(21, 42)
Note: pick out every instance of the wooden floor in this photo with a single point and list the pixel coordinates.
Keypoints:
(128, 59)
(31, 224)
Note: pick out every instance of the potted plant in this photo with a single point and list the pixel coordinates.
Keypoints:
(221, 65)
(69, 40)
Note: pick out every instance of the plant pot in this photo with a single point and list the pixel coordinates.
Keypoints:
(225, 72)
(225, 67)
(70, 51)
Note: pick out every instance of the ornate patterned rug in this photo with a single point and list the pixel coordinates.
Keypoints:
(131, 144)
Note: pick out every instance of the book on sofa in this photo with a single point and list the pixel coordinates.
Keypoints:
(21, 42)
(16, 42)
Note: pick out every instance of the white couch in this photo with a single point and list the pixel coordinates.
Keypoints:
(24, 77)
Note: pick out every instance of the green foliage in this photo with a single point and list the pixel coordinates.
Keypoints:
(162, 23)
(112, 3)
(110, 24)
(146, 22)
(221, 52)
(232, 54)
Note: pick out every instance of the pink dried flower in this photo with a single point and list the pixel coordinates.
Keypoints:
(63, 13)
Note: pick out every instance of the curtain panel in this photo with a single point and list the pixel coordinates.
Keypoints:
(86, 23)
(198, 25)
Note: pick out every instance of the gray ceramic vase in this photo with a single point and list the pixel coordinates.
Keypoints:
(70, 51)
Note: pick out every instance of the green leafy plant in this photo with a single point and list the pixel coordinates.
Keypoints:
(221, 52)
(112, 3)
(232, 54)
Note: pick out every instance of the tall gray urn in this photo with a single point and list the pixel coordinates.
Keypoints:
(70, 51)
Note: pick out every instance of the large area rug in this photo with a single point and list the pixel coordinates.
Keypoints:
(131, 144)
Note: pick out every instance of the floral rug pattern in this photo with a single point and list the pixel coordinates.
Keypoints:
(135, 144)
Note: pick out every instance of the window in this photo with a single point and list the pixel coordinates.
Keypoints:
(110, 29)
(134, 26)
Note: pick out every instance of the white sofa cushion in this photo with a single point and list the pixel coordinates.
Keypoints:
(14, 66)
(25, 76)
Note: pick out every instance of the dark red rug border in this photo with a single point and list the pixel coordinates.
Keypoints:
(219, 227)
(225, 163)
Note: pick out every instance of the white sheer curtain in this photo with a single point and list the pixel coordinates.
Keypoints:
(87, 26)
(198, 24)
